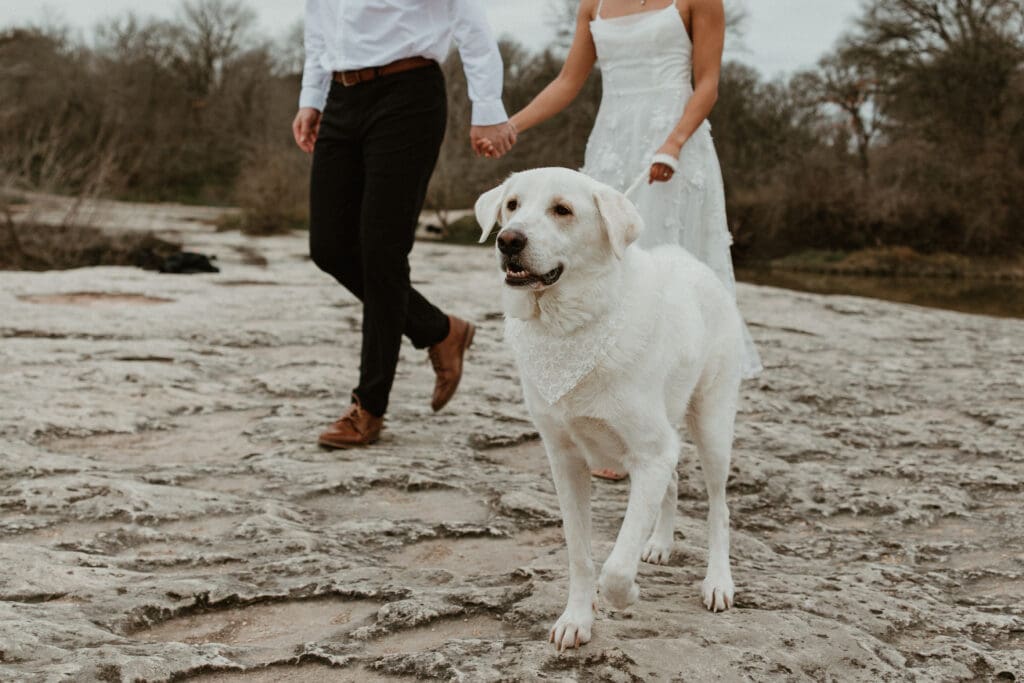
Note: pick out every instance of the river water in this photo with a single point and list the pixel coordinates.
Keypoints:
(1003, 299)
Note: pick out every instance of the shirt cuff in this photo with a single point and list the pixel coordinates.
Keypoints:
(489, 113)
(312, 97)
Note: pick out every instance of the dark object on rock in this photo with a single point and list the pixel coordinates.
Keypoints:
(189, 262)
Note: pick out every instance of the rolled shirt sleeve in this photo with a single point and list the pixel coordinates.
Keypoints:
(315, 79)
(481, 61)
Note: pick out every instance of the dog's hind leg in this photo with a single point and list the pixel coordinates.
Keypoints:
(711, 421)
(659, 545)
(571, 474)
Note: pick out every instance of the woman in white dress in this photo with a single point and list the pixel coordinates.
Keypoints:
(660, 66)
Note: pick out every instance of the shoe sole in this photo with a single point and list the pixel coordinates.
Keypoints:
(338, 446)
(467, 342)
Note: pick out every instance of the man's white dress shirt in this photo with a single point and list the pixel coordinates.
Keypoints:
(342, 35)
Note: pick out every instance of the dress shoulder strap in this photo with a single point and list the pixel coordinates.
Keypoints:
(600, 4)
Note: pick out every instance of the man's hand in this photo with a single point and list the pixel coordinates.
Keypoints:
(492, 141)
(305, 128)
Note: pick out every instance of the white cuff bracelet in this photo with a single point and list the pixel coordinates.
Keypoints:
(666, 159)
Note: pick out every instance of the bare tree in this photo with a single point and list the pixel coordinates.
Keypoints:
(917, 30)
(289, 51)
(210, 34)
(848, 85)
(563, 13)
(448, 186)
(737, 16)
(960, 53)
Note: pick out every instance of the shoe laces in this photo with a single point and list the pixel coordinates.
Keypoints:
(352, 417)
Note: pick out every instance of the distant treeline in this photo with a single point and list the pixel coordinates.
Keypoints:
(910, 132)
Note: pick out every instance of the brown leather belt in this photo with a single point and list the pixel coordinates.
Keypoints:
(350, 78)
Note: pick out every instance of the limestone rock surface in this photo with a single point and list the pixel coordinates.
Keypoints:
(165, 512)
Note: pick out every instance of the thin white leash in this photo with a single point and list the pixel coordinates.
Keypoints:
(665, 159)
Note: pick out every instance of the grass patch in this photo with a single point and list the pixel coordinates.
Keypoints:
(11, 199)
(226, 222)
(463, 231)
(272, 192)
(811, 258)
(32, 246)
(262, 222)
(902, 262)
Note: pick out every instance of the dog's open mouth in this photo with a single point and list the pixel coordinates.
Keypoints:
(517, 275)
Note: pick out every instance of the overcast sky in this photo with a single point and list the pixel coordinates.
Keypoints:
(781, 35)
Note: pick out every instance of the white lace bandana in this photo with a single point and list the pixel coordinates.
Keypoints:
(555, 363)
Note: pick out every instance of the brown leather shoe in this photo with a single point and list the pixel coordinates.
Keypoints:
(355, 428)
(447, 357)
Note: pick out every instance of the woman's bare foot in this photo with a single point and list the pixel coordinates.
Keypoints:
(610, 475)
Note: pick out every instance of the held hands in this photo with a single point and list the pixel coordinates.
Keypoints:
(306, 128)
(660, 172)
(493, 142)
(489, 141)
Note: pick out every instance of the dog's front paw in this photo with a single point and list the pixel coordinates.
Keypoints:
(618, 588)
(718, 591)
(656, 552)
(572, 628)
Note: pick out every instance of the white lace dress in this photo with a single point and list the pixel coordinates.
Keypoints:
(646, 68)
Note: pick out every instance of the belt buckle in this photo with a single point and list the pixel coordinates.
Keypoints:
(353, 75)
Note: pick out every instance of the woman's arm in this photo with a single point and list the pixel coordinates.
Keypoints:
(564, 89)
(707, 25)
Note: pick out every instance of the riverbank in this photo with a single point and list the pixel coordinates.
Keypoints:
(899, 262)
(985, 286)
(1001, 298)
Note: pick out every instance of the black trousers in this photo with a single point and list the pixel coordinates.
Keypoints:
(375, 153)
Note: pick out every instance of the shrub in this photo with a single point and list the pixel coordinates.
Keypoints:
(463, 231)
(272, 192)
(62, 247)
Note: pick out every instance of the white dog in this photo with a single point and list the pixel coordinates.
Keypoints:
(616, 346)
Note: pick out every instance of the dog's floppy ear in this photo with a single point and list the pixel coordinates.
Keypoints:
(621, 220)
(488, 210)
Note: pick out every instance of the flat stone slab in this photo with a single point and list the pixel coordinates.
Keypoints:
(165, 512)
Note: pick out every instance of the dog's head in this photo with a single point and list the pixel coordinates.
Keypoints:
(556, 224)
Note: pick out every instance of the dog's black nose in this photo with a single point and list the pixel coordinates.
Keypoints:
(511, 242)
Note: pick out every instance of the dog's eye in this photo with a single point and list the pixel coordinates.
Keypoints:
(562, 210)
(512, 205)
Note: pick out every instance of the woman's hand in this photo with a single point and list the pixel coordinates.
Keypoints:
(662, 173)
